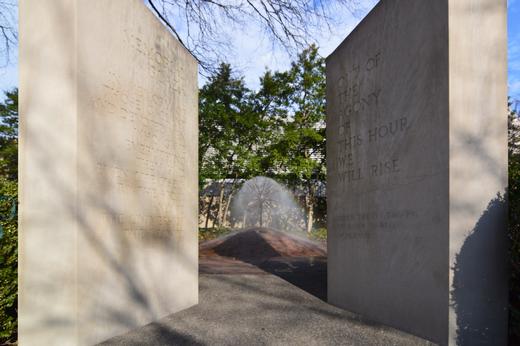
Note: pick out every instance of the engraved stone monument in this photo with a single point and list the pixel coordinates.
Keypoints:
(417, 169)
(108, 171)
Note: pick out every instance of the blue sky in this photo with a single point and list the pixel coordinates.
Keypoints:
(514, 48)
(253, 54)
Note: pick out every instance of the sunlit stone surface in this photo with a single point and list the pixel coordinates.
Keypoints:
(417, 158)
(108, 171)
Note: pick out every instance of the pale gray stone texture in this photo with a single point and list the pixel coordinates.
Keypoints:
(108, 171)
(416, 158)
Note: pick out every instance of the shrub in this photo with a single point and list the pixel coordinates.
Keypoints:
(8, 261)
(319, 234)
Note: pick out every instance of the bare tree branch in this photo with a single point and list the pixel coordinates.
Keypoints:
(197, 24)
(290, 24)
(8, 30)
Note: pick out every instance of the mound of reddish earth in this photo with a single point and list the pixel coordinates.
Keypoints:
(259, 244)
(261, 251)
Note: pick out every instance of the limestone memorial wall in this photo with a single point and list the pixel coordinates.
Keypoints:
(108, 171)
(417, 169)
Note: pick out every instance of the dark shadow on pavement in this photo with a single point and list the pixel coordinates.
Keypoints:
(307, 273)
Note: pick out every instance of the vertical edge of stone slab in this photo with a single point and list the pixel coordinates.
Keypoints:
(47, 305)
(388, 168)
(478, 172)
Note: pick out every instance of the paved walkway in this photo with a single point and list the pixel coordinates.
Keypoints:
(261, 310)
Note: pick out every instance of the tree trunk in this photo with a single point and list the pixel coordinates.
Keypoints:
(209, 211)
(220, 201)
(226, 209)
(310, 215)
(309, 201)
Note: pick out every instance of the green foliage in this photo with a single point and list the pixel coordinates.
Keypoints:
(299, 95)
(9, 135)
(8, 262)
(277, 131)
(213, 233)
(319, 234)
(8, 219)
(514, 223)
(229, 128)
(298, 154)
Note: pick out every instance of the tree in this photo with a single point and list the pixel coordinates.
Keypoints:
(9, 135)
(278, 131)
(230, 135)
(514, 221)
(8, 261)
(289, 24)
(8, 220)
(300, 151)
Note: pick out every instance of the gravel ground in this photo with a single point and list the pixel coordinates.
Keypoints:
(261, 310)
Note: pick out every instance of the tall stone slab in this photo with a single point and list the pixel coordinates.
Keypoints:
(417, 169)
(108, 171)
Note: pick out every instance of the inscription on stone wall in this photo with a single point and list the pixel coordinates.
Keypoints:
(362, 225)
(367, 156)
(153, 125)
(362, 125)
